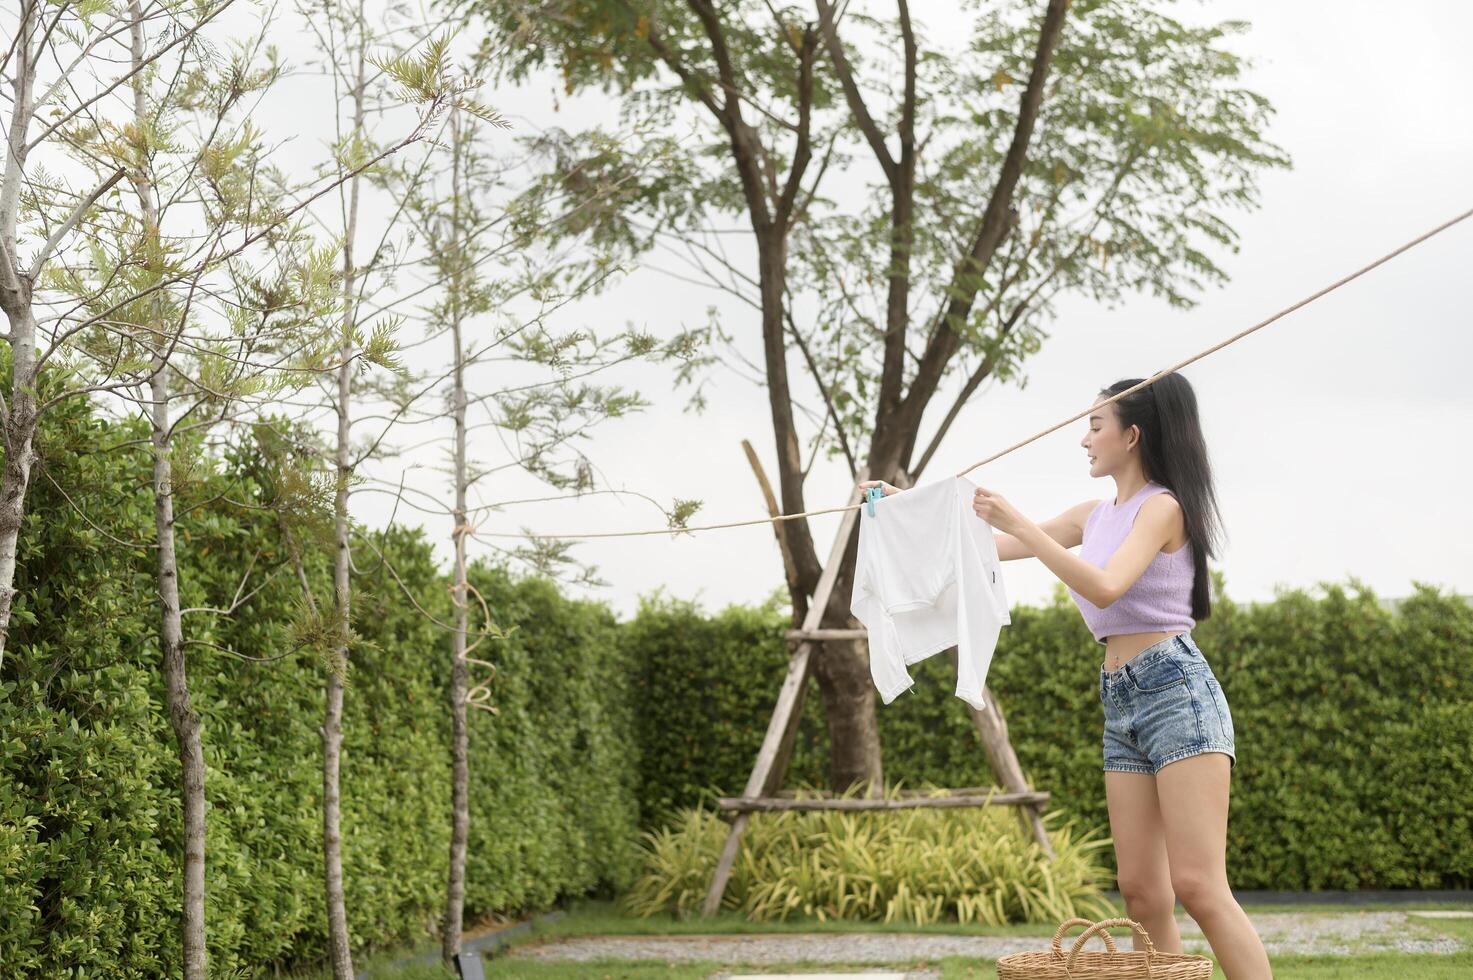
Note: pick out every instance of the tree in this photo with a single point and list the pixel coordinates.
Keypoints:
(1090, 150)
(493, 290)
(346, 38)
(75, 44)
(347, 35)
(138, 312)
(159, 324)
(131, 311)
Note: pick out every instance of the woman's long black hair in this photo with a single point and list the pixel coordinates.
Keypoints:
(1174, 454)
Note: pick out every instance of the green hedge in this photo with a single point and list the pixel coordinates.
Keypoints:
(1353, 725)
(705, 688)
(89, 774)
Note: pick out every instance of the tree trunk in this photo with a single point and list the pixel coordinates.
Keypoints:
(20, 433)
(332, 722)
(339, 942)
(182, 717)
(898, 419)
(340, 945)
(844, 682)
(841, 670)
(843, 678)
(332, 845)
(460, 775)
(15, 298)
(460, 818)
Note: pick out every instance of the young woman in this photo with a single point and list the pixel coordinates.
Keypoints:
(1140, 581)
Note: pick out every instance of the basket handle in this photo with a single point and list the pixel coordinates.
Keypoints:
(1105, 924)
(1066, 926)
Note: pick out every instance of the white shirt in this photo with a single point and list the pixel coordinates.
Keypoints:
(928, 577)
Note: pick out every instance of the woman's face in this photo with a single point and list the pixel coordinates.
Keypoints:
(1104, 443)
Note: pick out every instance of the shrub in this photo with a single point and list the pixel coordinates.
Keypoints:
(1352, 718)
(89, 773)
(920, 865)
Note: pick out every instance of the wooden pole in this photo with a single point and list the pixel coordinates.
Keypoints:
(784, 754)
(776, 803)
(993, 730)
(779, 528)
(825, 794)
(764, 773)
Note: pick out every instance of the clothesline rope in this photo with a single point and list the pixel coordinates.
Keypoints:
(833, 510)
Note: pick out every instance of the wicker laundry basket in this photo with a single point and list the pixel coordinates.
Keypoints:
(1112, 964)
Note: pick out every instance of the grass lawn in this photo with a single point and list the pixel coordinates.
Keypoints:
(601, 918)
(1458, 966)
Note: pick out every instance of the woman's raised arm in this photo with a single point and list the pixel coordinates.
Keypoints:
(1067, 529)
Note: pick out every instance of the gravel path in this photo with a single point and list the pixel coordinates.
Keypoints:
(1282, 932)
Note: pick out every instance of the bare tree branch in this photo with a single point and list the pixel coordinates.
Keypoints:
(995, 223)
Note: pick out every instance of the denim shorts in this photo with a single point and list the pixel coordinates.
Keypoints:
(1161, 705)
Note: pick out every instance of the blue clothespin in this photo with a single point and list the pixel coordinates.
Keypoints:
(871, 494)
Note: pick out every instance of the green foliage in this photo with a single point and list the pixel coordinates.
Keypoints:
(706, 685)
(553, 773)
(1358, 719)
(430, 80)
(89, 773)
(85, 877)
(1146, 143)
(1352, 722)
(918, 865)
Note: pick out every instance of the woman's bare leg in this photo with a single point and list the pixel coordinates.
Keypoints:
(1193, 794)
(1140, 856)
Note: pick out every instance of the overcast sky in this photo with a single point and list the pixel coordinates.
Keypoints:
(1339, 436)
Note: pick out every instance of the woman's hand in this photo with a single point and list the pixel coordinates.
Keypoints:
(885, 488)
(995, 510)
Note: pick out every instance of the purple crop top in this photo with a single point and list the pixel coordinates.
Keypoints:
(1161, 599)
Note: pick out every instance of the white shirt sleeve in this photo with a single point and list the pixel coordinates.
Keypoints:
(886, 662)
(979, 623)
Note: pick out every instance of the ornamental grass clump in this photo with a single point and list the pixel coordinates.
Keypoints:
(920, 866)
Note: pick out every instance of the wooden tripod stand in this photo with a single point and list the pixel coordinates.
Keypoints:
(763, 784)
